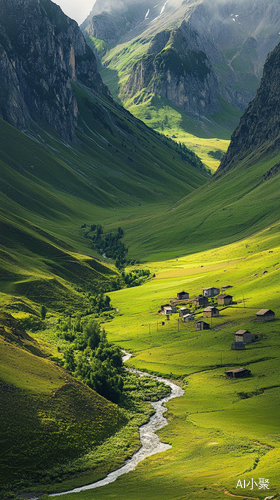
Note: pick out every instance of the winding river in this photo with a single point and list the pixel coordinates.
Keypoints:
(150, 441)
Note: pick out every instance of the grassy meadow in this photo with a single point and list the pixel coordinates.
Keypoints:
(191, 232)
(221, 430)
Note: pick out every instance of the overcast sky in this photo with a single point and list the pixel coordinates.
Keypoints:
(76, 9)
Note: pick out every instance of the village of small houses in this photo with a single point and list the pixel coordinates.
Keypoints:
(209, 304)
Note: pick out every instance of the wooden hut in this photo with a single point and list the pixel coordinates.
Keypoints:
(162, 308)
(238, 373)
(202, 325)
(224, 299)
(210, 312)
(183, 311)
(167, 310)
(211, 291)
(183, 295)
(200, 301)
(243, 336)
(188, 317)
(265, 315)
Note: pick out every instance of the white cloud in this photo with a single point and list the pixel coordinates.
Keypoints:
(76, 9)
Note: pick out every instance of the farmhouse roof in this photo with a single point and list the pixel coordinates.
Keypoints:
(261, 312)
(224, 295)
(209, 308)
(241, 332)
(237, 370)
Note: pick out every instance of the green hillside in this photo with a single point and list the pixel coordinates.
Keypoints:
(235, 205)
(221, 431)
(44, 409)
(50, 189)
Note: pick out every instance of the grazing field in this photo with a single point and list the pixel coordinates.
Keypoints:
(222, 431)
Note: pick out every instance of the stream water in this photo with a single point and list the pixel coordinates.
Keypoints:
(150, 441)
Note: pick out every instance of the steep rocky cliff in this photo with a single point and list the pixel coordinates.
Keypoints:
(259, 127)
(110, 21)
(234, 37)
(176, 67)
(244, 33)
(41, 53)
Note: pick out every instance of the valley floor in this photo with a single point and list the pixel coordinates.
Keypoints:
(224, 433)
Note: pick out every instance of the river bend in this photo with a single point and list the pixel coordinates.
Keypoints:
(150, 441)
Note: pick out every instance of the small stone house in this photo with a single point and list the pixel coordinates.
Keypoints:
(238, 373)
(265, 315)
(162, 308)
(224, 299)
(237, 346)
(202, 325)
(200, 301)
(182, 295)
(211, 291)
(188, 317)
(167, 310)
(183, 311)
(243, 336)
(210, 312)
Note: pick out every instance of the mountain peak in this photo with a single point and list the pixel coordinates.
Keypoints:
(259, 125)
(42, 51)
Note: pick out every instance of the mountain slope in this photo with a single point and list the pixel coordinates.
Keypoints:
(79, 157)
(259, 126)
(47, 417)
(234, 39)
(241, 199)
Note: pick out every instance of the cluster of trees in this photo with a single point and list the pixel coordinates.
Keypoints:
(135, 277)
(100, 303)
(96, 362)
(108, 244)
(76, 329)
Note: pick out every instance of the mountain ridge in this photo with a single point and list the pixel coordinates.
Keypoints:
(236, 39)
(36, 38)
(258, 126)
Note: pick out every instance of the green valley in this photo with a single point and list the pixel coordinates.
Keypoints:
(221, 430)
(103, 220)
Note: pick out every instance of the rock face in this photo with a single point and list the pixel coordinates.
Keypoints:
(176, 67)
(259, 127)
(244, 33)
(42, 52)
(109, 21)
(230, 39)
